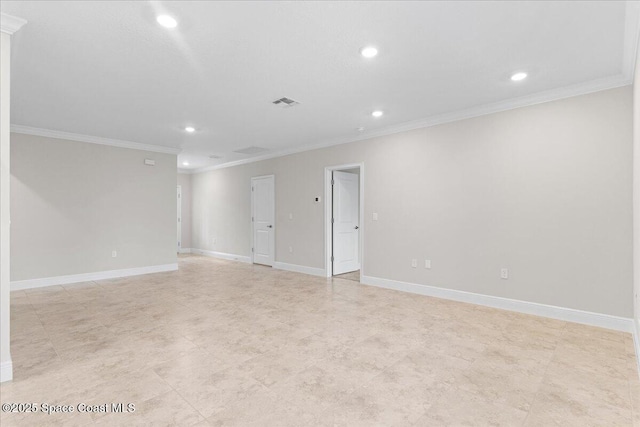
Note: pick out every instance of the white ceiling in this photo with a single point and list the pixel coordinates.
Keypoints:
(107, 69)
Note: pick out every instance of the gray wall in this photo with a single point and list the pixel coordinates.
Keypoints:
(184, 181)
(72, 203)
(544, 190)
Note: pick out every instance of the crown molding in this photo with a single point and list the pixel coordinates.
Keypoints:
(10, 24)
(537, 98)
(27, 130)
(631, 45)
(510, 104)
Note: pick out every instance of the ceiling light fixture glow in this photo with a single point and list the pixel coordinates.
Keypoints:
(518, 77)
(190, 129)
(185, 163)
(377, 113)
(368, 52)
(167, 21)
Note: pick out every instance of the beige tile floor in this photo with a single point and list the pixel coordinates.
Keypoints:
(353, 275)
(223, 343)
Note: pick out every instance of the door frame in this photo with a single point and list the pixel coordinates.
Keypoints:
(328, 229)
(179, 219)
(273, 241)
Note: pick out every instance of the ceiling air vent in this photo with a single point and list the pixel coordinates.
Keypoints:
(285, 102)
(251, 150)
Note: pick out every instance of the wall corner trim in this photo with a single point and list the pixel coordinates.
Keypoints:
(10, 24)
(88, 277)
(313, 271)
(222, 255)
(6, 371)
(606, 321)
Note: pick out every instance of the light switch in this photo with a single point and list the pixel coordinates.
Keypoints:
(290, 216)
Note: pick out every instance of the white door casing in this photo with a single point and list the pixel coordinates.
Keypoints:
(179, 218)
(263, 219)
(346, 222)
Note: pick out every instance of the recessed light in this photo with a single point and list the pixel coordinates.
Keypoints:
(518, 76)
(190, 129)
(368, 52)
(377, 113)
(167, 21)
(185, 163)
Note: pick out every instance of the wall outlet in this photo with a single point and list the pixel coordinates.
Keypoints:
(375, 216)
(504, 273)
(317, 199)
(290, 249)
(414, 263)
(427, 263)
(114, 254)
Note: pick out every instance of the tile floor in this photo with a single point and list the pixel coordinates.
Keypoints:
(224, 343)
(354, 275)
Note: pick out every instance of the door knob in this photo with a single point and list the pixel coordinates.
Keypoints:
(357, 227)
(269, 226)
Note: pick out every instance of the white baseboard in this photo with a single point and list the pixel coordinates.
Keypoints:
(222, 255)
(88, 277)
(6, 371)
(185, 250)
(560, 313)
(300, 269)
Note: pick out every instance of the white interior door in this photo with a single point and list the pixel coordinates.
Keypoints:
(346, 222)
(263, 219)
(179, 218)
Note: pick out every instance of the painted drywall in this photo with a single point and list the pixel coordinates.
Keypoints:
(544, 190)
(184, 181)
(636, 193)
(5, 181)
(73, 203)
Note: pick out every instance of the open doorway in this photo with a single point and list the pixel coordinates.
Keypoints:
(344, 220)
